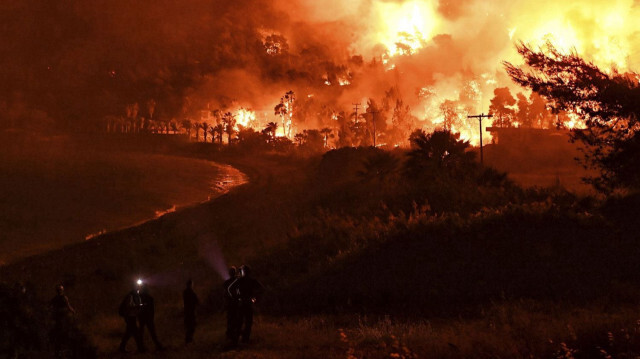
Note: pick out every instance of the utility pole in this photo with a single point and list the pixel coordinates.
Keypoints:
(480, 117)
(356, 109)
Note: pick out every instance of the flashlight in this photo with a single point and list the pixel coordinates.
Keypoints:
(139, 282)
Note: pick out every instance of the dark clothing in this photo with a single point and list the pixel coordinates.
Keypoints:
(231, 306)
(247, 291)
(245, 321)
(60, 308)
(131, 331)
(130, 305)
(146, 319)
(191, 301)
(61, 314)
(129, 310)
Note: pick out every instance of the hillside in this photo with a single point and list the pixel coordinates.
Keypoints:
(370, 268)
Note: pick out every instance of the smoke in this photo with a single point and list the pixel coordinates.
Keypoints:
(210, 251)
(77, 61)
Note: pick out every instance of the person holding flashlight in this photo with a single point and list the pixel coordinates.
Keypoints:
(129, 310)
(248, 291)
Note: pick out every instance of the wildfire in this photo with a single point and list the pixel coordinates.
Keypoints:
(459, 78)
(246, 118)
(602, 31)
(404, 27)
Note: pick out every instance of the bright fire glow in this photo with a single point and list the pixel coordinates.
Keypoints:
(246, 118)
(404, 27)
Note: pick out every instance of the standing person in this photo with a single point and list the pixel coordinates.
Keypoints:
(191, 301)
(129, 310)
(146, 317)
(61, 312)
(230, 302)
(248, 291)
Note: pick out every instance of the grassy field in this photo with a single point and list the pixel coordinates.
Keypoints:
(369, 269)
(56, 192)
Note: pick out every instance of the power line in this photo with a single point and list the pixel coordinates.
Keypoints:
(480, 117)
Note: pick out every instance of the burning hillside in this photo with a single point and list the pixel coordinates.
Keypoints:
(407, 64)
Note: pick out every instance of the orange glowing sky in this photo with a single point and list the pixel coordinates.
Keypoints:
(480, 34)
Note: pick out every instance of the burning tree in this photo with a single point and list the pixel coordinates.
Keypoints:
(270, 130)
(281, 110)
(607, 101)
(501, 107)
(449, 114)
(229, 121)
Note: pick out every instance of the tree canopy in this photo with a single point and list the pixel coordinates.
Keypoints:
(607, 101)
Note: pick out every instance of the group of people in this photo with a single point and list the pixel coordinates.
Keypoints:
(241, 292)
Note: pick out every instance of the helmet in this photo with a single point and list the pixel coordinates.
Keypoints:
(245, 270)
(232, 271)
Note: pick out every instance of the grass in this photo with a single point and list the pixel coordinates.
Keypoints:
(353, 272)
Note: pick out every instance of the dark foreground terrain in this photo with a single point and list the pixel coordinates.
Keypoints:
(360, 262)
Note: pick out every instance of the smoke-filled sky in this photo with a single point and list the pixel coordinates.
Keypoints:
(72, 62)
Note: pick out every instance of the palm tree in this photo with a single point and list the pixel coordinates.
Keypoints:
(196, 126)
(379, 166)
(229, 121)
(174, 126)
(271, 130)
(217, 132)
(437, 152)
(205, 127)
(187, 126)
(281, 110)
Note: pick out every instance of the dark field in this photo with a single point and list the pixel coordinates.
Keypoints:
(56, 192)
(374, 267)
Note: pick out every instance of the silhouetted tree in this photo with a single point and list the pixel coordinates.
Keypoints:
(187, 125)
(205, 129)
(440, 152)
(299, 138)
(229, 121)
(281, 110)
(218, 131)
(523, 111)
(379, 166)
(501, 109)
(607, 101)
(401, 122)
(271, 130)
(449, 114)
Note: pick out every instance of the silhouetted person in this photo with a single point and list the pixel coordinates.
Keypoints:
(19, 321)
(191, 301)
(248, 291)
(146, 317)
(129, 310)
(230, 303)
(61, 312)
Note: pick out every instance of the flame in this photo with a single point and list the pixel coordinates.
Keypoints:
(404, 27)
(246, 118)
(602, 31)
